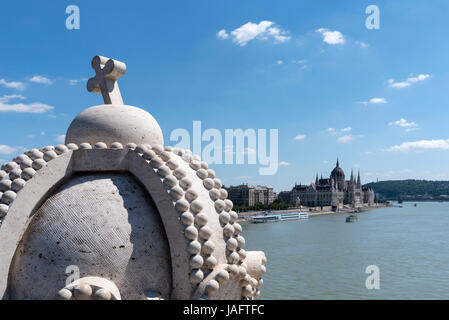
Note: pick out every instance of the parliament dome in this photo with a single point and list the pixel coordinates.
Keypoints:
(337, 172)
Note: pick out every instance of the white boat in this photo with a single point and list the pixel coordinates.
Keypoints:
(276, 217)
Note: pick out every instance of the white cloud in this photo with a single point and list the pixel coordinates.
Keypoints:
(279, 62)
(377, 100)
(408, 82)
(244, 177)
(331, 131)
(34, 107)
(250, 31)
(300, 137)
(331, 37)
(408, 125)
(345, 139)
(41, 79)
(76, 81)
(222, 34)
(369, 153)
(6, 98)
(60, 138)
(4, 149)
(278, 34)
(13, 84)
(421, 77)
(362, 44)
(398, 84)
(284, 163)
(421, 145)
(263, 30)
(25, 108)
(373, 101)
(343, 134)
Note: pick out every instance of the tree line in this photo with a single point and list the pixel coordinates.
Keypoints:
(276, 205)
(414, 189)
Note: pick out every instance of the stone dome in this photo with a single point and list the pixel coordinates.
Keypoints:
(337, 172)
(115, 123)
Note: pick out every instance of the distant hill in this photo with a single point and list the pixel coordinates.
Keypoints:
(411, 189)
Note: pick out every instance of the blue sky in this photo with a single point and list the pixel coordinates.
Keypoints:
(377, 99)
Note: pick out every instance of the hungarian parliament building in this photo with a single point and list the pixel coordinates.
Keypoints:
(334, 191)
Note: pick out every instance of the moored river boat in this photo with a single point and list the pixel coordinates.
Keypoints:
(276, 217)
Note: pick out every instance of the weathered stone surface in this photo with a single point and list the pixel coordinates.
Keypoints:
(114, 123)
(106, 225)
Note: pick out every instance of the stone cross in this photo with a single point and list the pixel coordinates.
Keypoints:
(107, 71)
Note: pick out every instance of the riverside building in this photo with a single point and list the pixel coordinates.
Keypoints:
(246, 195)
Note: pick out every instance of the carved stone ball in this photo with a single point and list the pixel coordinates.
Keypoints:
(222, 276)
(64, 294)
(82, 292)
(196, 276)
(102, 294)
(100, 145)
(211, 288)
(116, 145)
(208, 247)
(194, 247)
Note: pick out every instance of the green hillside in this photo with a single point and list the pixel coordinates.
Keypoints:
(411, 189)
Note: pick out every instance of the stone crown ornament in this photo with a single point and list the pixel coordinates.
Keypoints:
(113, 214)
(105, 80)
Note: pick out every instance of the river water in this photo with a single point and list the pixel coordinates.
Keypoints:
(326, 258)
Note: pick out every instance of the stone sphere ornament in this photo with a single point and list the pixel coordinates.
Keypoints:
(113, 214)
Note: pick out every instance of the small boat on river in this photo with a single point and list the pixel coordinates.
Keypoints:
(352, 218)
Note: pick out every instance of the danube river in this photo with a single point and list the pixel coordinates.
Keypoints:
(326, 258)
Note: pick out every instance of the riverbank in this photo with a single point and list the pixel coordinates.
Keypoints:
(313, 211)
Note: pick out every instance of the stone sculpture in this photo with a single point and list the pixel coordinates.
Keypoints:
(137, 219)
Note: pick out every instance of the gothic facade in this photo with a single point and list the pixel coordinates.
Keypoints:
(334, 191)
